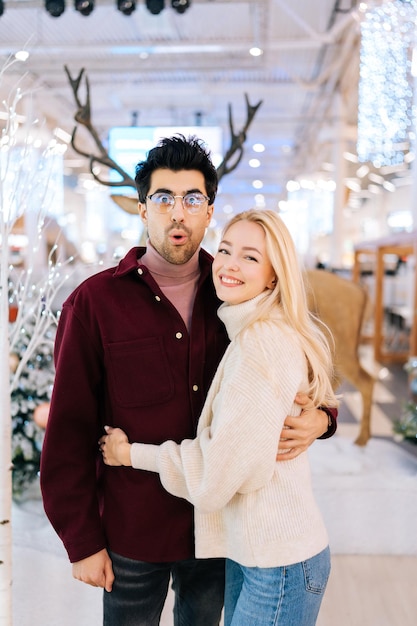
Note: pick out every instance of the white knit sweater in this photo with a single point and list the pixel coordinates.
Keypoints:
(248, 507)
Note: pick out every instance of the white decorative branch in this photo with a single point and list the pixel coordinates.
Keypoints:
(25, 191)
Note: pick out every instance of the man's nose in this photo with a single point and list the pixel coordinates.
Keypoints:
(178, 211)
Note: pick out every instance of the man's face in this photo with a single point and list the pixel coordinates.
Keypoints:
(177, 234)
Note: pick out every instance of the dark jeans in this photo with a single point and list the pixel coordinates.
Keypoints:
(140, 589)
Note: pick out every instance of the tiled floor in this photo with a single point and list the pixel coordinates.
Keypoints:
(376, 590)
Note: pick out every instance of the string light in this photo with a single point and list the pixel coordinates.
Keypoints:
(385, 110)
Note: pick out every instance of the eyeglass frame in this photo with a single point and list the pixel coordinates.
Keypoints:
(172, 206)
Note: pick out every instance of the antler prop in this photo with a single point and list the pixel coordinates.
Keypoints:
(83, 117)
(128, 204)
(238, 140)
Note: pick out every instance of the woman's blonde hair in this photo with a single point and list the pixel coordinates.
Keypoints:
(289, 294)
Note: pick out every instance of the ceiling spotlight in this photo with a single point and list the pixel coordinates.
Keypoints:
(180, 5)
(55, 8)
(126, 6)
(21, 55)
(1, 7)
(256, 51)
(155, 6)
(85, 7)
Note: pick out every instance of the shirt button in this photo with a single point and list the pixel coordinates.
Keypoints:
(195, 387)
(178, 335)
(157, 298)
(140, 271)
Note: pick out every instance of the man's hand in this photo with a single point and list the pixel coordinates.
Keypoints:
(301, 431)
(96, 570)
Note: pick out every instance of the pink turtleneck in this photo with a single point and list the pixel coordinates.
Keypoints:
(177, 282)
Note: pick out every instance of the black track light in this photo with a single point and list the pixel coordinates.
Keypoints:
(126, 6)
(155, 6)
(55, 8)
(85, 7)
(180, 5)
(2, 7)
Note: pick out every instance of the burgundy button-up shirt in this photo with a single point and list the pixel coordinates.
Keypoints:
(124, 357)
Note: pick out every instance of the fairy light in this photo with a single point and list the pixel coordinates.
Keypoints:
(386, 111)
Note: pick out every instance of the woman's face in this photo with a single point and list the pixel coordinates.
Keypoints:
(241, 267)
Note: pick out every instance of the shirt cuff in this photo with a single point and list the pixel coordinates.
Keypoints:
(331, 413)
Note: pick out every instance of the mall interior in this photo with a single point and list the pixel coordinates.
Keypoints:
(308, 109)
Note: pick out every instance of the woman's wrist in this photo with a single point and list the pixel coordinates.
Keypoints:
(124, 454)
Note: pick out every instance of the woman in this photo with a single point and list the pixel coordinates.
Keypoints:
(259, 514)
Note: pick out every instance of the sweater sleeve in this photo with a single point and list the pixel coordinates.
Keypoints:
(236, 446)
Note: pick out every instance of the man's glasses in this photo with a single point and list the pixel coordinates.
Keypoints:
(164, 202)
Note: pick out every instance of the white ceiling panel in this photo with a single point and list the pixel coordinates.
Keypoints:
(173, 68)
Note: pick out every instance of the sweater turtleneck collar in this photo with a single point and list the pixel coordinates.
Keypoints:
(168, 273)
(236, 316)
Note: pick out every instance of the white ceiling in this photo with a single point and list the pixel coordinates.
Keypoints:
(173, 68)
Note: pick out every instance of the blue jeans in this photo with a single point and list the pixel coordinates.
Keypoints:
(140, 590)
(272, 596)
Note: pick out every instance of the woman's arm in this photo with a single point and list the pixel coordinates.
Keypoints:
(235, 450)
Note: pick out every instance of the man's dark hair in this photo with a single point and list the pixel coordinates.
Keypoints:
(177, 153)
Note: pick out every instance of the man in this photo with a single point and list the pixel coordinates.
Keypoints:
(137, 347)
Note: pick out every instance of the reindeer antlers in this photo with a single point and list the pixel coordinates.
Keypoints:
(237, 140)
(83, 117)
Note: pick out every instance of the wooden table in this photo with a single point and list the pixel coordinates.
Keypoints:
(403, 245)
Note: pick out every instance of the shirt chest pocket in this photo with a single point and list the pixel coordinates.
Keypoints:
(139, 373)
